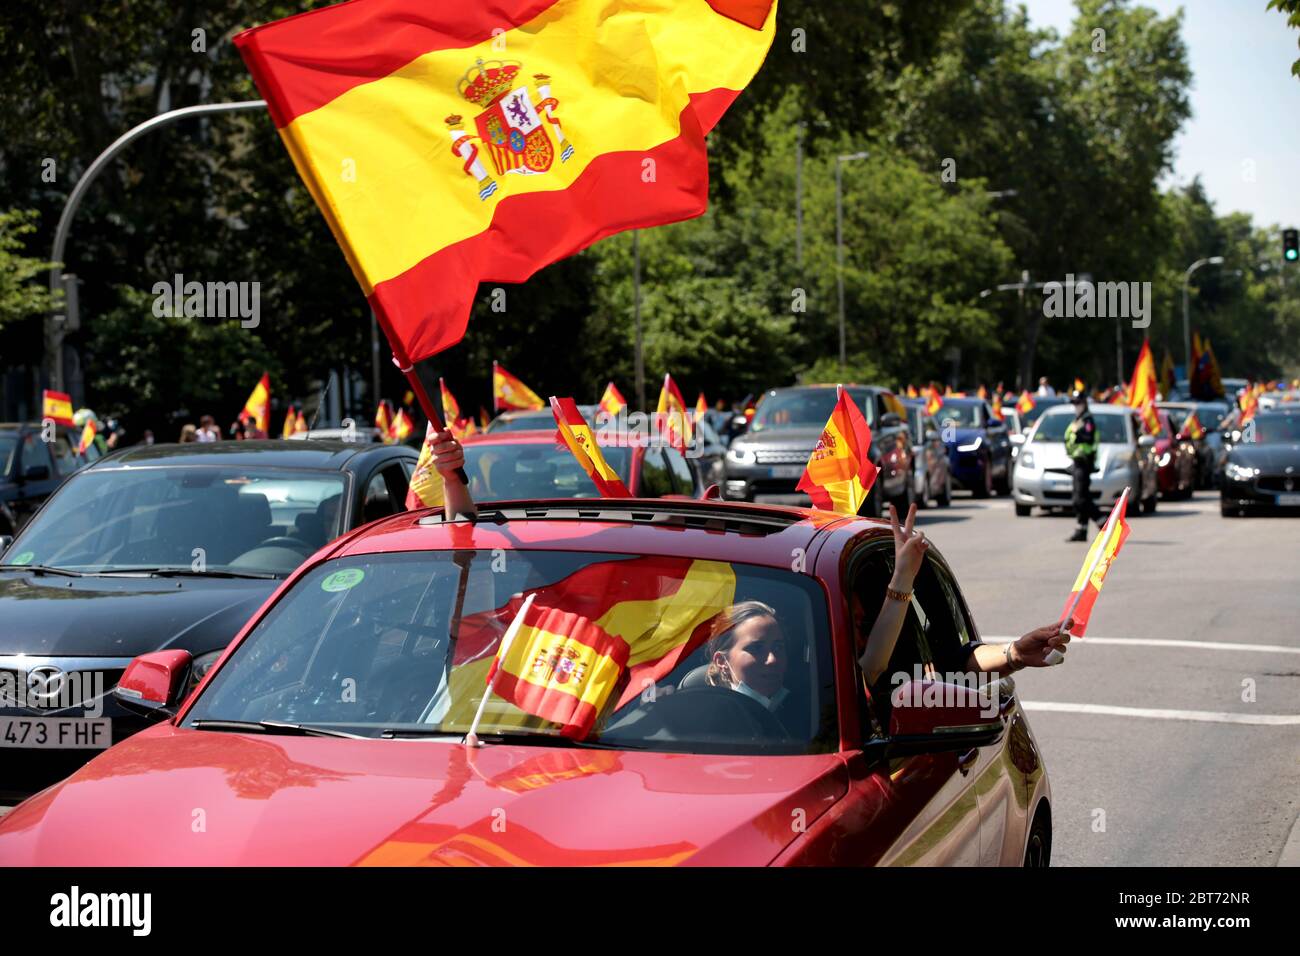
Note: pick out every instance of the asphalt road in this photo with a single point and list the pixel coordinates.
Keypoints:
(1159, 754)
(1184, 771)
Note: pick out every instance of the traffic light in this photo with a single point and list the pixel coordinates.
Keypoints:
(1291, 244)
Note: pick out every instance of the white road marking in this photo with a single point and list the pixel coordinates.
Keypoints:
(1155, 713)
(1154, 642)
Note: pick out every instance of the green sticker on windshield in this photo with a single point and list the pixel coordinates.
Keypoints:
(343, 580)
(24, 558)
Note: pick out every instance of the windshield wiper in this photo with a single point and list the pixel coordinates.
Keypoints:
(272, 727)
(191, 573)
(534, 738)
(392, 733)
(42, 569)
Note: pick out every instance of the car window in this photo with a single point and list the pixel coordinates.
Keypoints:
(655, 479)
(377, 502)
(417, 635)
(510, 472)
(935, 640)
(1110, 428)
(119, 519)
(66, 455)
(961, 416)
(683, 477)
(807, 408)
(36, 453)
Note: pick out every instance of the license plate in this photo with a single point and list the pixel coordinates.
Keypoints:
(785, 471)
(1289, 501)
(56, 733)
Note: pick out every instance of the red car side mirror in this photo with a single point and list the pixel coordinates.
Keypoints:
(155, 683)
(930, 716)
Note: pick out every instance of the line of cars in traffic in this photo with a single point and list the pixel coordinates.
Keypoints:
(273, 637)
(244, 620)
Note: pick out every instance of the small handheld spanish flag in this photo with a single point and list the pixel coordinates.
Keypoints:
(425, 489)
(576, 434)
(87, 436)
(1150, 418)
(701, 407)
(511, 394)
(677, 423)
(1193, 428)
(1095, 566)
(559, 666)
(402, 426)
(257, 409)
(57, 406)
(290, 421)
(612, 402)
(1026, 403)
(384, 419)
(932, 400)
(839, 474)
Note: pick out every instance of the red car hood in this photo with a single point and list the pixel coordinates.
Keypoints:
(171, 796)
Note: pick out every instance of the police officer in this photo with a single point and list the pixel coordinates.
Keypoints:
(1081, 446)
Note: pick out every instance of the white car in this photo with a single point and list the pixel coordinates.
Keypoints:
(1125, 459)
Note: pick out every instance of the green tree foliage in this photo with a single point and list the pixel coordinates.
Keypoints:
(23, 294)
(1292, 10)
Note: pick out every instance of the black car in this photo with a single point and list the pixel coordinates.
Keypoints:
(34, 460)
(161, 547)
(1262, 472)
(769, 458)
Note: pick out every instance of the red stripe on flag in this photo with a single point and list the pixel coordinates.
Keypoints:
(319, 55)
(608, 197)
(752, 13)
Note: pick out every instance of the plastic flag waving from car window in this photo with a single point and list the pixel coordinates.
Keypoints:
(1095, 566)
(576, 434)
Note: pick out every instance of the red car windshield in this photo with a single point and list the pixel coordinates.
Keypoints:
(613, 651)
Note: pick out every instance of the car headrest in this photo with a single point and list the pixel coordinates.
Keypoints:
(697, 677)
(255, 510)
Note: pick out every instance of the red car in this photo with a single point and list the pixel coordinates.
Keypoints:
(332, 730)
(1175, 459)
(517, 465)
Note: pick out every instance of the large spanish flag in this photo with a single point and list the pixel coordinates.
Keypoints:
(1095, 566)
(839, 473)
(510, 393)
(576, 434)
(449, 143)
(662, 607)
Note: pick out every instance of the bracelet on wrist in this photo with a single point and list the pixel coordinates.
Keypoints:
(895, 595)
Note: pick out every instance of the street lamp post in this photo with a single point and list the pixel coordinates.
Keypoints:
(53, 331)
(839, 242)
(1187, 327)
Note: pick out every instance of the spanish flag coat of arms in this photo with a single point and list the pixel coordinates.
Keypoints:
(450, 143)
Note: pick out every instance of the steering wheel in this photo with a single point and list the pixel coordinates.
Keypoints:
(761, 721)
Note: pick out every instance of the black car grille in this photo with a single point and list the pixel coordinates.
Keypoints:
(1278, 483)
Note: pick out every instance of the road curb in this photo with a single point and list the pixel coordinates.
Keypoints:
(1291, 849)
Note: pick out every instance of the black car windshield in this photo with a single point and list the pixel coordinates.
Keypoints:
(1041, 404)
(1110, 428)
(508, 471)
(614, 651)
(1272, 429)
(534, 421)
(806, 408)
(198, 518)
(963, 415)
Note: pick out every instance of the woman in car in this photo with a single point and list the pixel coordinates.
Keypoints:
(747, 653)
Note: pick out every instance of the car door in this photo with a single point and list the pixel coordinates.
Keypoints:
(1000, 785)
(685, 481)
(35, 474)
(914, 810)
(654, 480)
